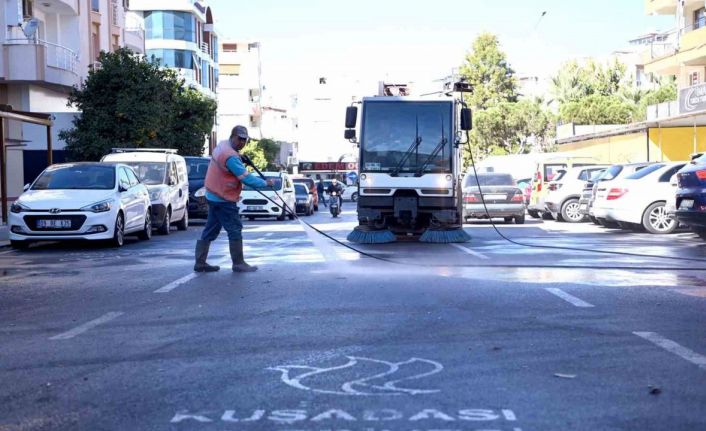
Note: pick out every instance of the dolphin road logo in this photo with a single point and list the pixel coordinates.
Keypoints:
(362, 377)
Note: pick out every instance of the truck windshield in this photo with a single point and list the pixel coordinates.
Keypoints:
(390, 129)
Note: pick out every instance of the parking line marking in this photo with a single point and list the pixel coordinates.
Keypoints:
(88, 325)
(673, 347)
(469, 251)
(569, 298)
(187, 278)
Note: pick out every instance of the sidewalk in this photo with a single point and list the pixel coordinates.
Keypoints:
(4, 236)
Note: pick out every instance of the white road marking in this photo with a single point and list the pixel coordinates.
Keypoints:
(88, 325)
(268, 234)
(187, 278)
(509, 415)
(673, 347)
(469, 251)
(569, 298)
(7, 252)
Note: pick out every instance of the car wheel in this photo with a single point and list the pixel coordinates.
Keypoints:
(184, 222)
(699, 231)
(281, 216)
(291, 216)
(570, 211)
(167, 224)
(119, 233)
(547, 216)
(657, 221)
(533, 214)
(146, 232)
(19, 245)
(354, 197)
(520, 219)
(508, 219)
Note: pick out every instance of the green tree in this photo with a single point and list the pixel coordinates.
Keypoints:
(488, 72)
(598, 109)
(132, 102)
(256, 154)
(270, 149)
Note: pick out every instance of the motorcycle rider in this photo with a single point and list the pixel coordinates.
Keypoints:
(335, 186)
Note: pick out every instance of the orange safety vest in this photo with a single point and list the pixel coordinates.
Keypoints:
(219, 180)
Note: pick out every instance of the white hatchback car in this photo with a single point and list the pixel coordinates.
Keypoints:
(86, 201)
(254, 205)
(639, 200)
(562, 200)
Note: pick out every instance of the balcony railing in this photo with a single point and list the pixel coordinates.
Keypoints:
(57, 56)
(205, 48)
(670, 42)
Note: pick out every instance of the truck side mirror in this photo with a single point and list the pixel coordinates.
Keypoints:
(466, 119)
(349, 134)
(351, 117)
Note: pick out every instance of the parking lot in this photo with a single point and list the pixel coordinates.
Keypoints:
(484, 335)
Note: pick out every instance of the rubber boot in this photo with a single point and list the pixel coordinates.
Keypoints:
(201, 255)
(236, 254)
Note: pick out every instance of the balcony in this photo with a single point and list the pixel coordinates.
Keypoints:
(662, 111)
(42, 60)
(660, 7)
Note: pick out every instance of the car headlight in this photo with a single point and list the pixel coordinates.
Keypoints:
(200, 192)
(99, 207)
(17, 207)
(156, 195)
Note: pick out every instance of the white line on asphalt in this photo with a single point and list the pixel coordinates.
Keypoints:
(88, 325)
(569, 298)
(187, 278)
(509, 415)
(469, 251)
(673, 347)
(6, 252)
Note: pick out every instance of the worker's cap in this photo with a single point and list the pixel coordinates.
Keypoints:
(240, 131)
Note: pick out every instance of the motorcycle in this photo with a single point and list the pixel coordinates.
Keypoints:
(334, 204)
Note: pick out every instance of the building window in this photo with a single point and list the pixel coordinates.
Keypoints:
(694, 79)
(230, 47)
(205, 75)
(27, 9)
(699, 18)
(176, 58)
(95, 5)
(170, 25)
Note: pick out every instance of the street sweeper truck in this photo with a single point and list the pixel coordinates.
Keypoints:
(410, 168)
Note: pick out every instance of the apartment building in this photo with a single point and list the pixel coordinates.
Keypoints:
(46, 48)
(181, 34)
(239, 88)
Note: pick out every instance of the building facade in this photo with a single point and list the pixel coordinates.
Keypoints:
(46, 48)
(239, 88)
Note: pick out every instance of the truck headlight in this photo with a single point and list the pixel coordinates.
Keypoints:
(17, 207)
(200, 192)
(99, 207)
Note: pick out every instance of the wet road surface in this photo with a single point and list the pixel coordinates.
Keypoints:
(481, 336)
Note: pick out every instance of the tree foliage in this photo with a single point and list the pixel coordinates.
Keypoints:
(131, 102)
(488, 72)
(256, 154)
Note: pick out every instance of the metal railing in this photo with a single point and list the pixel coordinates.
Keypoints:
(57, 56)
(669, 42)
(205, 48)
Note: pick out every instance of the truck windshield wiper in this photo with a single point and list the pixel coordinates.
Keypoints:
(439, 147)
(414, 147)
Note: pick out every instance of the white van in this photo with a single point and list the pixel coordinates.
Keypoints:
(164, 173)
(255, 205)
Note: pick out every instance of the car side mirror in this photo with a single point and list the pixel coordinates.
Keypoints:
(25, 188)
(349, 134)
(122, 188)
(351, 117)
(466, 119)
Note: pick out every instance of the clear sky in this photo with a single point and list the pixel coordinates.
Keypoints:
(418, 40)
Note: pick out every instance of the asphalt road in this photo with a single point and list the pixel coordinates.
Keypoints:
(481, 336)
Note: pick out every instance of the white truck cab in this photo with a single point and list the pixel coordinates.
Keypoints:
(164, 173)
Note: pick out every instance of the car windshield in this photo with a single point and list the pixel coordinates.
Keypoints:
(76, 177)
(197, 168)
(595, 175)
(149, 173)
(489, 180)
(645, 171)
(301, 190)
(390, 132)
(276, 179)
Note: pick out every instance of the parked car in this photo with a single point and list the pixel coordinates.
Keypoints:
(525, 184)
(546, 171)
(305, 199)
(502, 198)
(350, 193)
(196, 168)
(563, 195)
(86, 201)
(311, 184)
(164, 174)
(255, 205)
(691, 196)
(674, 182)
(590, 190)
(638, 200)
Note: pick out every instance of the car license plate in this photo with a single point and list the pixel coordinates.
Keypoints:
(686, 204)
(53, 224)
(255, 208)
(496, 197)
